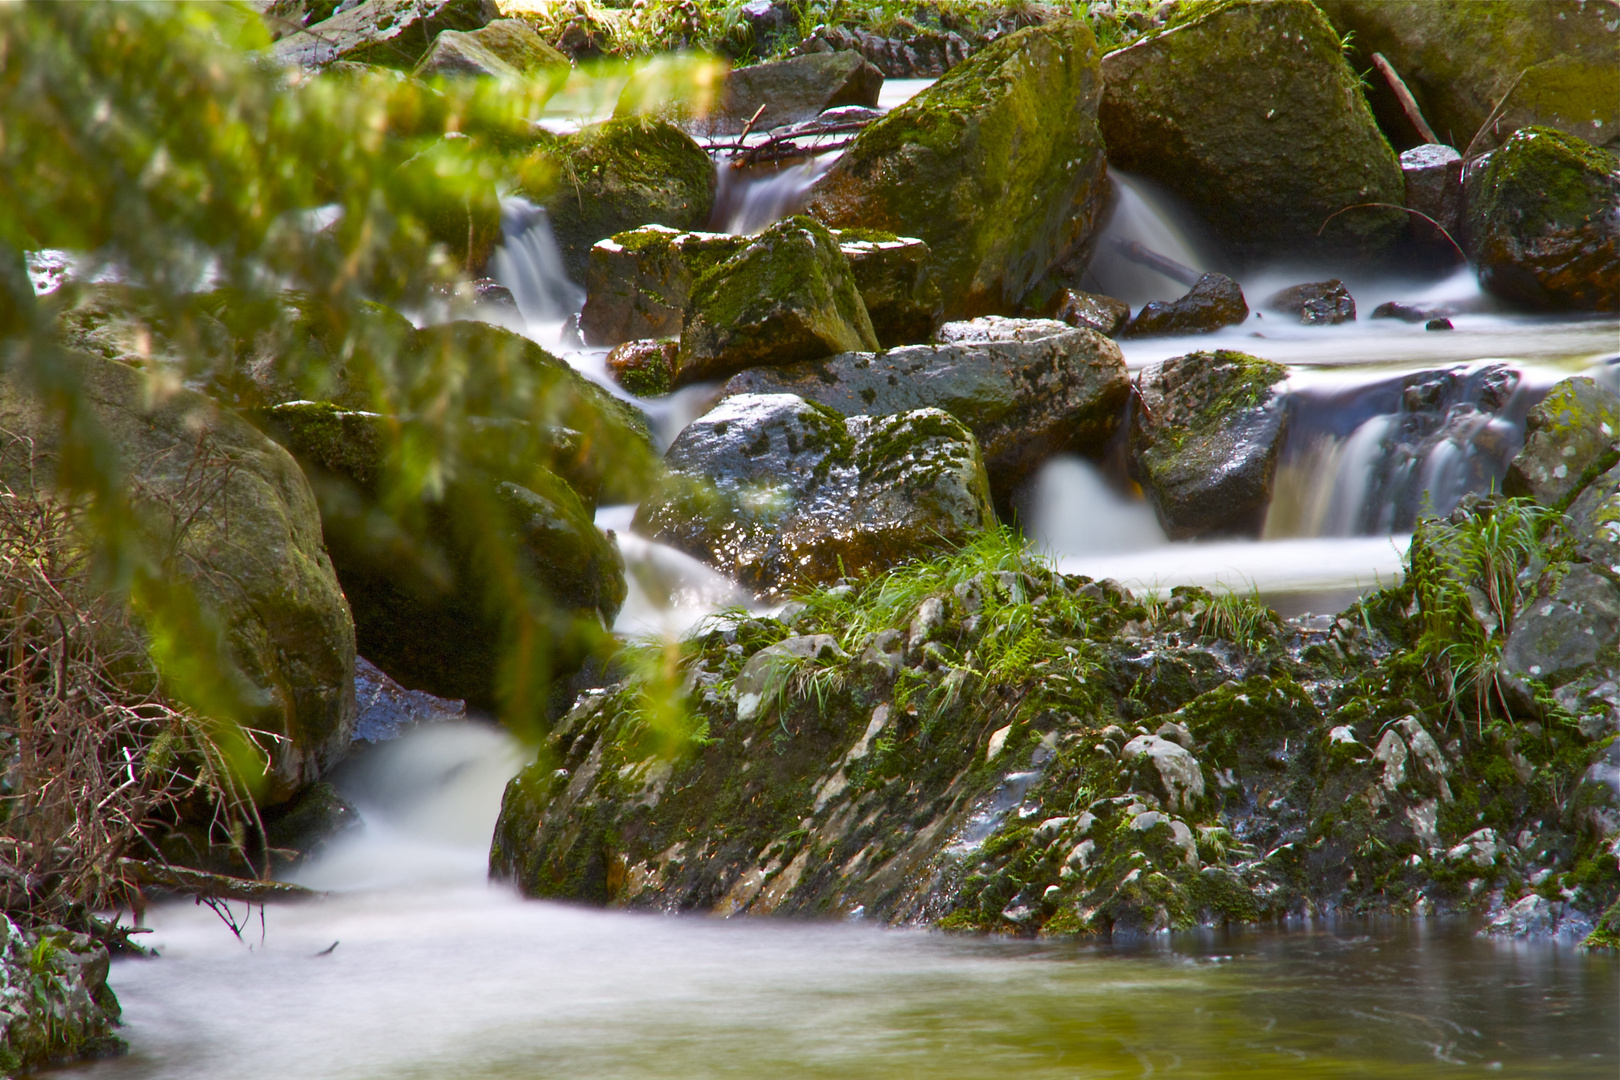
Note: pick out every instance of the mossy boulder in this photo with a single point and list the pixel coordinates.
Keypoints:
(1461, 59)
(1251, 114)
(389, 33)
(1213, 302)
(780, 492)
(1027, 389)
(998, 167)
(55, 1004)
(620, 175)
(1566, 435)
(898, 284)
(796, 89)
(503, 49)
(242, 517)
(1543, 215)
(1205, 439)
(788, 295)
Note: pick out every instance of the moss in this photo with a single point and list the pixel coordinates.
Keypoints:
(1542, 179)
(865, 236)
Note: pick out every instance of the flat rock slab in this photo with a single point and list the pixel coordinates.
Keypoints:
(1027, 388)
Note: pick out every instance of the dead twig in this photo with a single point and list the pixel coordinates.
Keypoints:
(1392, 206)
(1409, 104)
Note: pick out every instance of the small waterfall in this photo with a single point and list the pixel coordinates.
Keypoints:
(1070, 509)
(749, 199)
(1142, 214)
(529, 263)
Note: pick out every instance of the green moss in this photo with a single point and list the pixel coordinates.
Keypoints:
(1543, 179)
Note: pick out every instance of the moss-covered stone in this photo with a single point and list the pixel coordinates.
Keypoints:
(1460, 59)
(503, 49)
(897, 283)
(1204, 443)
(1250, 113)
(55, 1004)
(1543, 219)
(789, 295)
(998, 167)
(646, 368)
(637, 283)
(620, 175)
(390, 33)
(1567, 435)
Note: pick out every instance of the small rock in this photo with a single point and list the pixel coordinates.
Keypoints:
(1433, 175)
(1438, 324)
(391, 33)
(895, 277)
(766, 673)
(505, 49)
(1318, 303)
(1091, 311)
(1180, 776)
(1214, 301)
(1537, 917)
(385, 710)
(1405, 312)
(646, 367)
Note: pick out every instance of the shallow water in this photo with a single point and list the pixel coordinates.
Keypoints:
(436, 973)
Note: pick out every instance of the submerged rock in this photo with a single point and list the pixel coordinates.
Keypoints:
(1544, 222)
(788, 295)
(1250, 113)
(1027, 389)
(504, 49)
(1461, 61)
(1394, 309)
(389, 33)
(1318, 303)
(781, 492)
(1214, 301)
(1204, 441)
(795, 89)
(1571, 431)
(998, 167)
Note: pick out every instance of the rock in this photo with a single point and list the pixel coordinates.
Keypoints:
(1405, 312)
(1538, 918)
(1460, 61)
(789, 295)
(765, 675)
(260, 573)
(385, 710)
(998, 167)
(1027, 389)
(646, 368)
(1205, 441)
(1180, 778)
(896, 280)
(1438, 324)
(390, 33)
(1089, 311)
(620, 175)
(1432, 174)
(1319, 303)
(57, 1004)
(799, 88)
(925, 55)
(1283, 145)
(1565, 435)
(780, 492)
(1214, 301)
(1544, 222)
(504, 49)
(302, 827)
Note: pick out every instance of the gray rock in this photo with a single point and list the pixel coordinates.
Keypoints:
(505, 49)
(55, 1003)
(1180, 778)
(780, 491)
(1565, 435)
(1537, 917)
(389, 33)
(385, 710)
(896, 280)
(797, 89)
(1560, 635)
(1251, 114)
(1205, 440)
(1027, 389)
(1433, 177)
(1318, 303)
(1214, 301)
(788, 295)
(1089, 311)
(926, 55)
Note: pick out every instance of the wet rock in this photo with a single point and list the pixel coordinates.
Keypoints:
(1538, 918)
(1393, 309)
(1214, 301)
(389, 33)
(924, 55)
(385, 710)
(621, 175)
(58, 1006)
(895, 277)
(1438, 324)
(799, 88)
(789, 295)
(766, 673)
(1205, 439)
(637, 283)
(1544, 222)
(780, 491)
(646, 368)
(503, 49)
(1318, 303)
(1459, 62)
(1180, 779)
(303, 826)
(1027, 389)
(1566, 435)
(1285, 143)
(998, 167)
(1432, 174)
(260, 571)
(1089, 311)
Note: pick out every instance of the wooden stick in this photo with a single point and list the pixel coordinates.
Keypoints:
(1136, 253)
(1408, 103)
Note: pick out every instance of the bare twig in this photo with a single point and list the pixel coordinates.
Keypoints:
(1408, 103)
(1468, 154)
(1392, 206)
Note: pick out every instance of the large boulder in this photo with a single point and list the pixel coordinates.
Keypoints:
(1459, 60)
(781, 492)
(1204, 441)
(789, 295)
(246, 524)
(1026, 388)
(1543, 217)
(1569, 432)
(389, 33)
(504, 49)
(998, 167)
(797, 89)
(619, 175)
(1251, 114)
